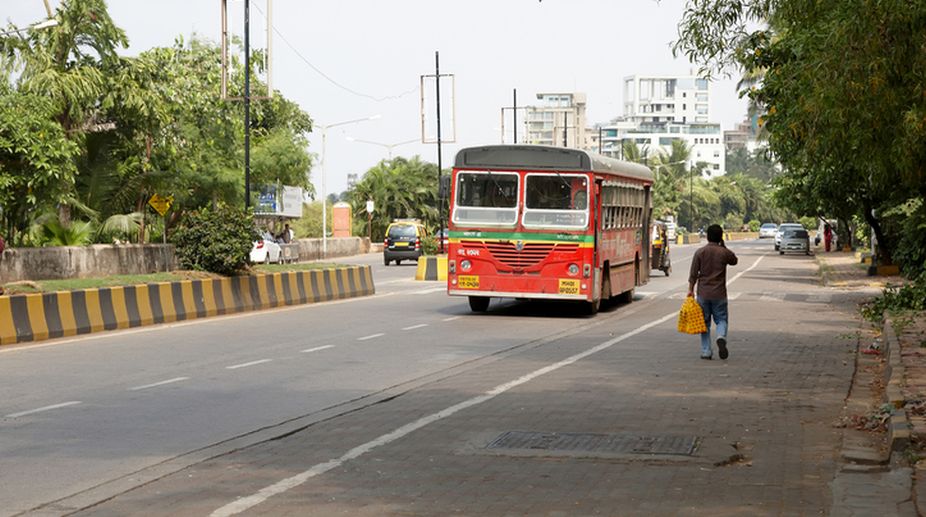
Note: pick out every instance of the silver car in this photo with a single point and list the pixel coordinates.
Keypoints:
(781, 231)
(768, 230)
(795, 241)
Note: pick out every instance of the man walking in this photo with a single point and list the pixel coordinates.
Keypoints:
(709, 272)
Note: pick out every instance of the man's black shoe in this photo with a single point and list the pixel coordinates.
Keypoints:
(722, 346)
(706, 357)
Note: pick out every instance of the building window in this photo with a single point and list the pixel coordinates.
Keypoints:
(716, 154)
(716, 166)
(701, 84)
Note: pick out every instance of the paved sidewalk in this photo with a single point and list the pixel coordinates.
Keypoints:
(844, 270)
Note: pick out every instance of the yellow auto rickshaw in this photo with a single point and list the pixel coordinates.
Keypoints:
(659, 257)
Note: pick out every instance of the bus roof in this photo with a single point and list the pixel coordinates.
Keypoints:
(541, 157)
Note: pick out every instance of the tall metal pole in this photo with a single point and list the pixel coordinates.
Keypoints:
(247, 105)
(691, 199)
(515, 116)
(565, 128)
(440, 198)
(324, 195)
(599, 139)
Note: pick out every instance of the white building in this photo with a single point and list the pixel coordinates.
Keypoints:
(661, 109)
(559, 120)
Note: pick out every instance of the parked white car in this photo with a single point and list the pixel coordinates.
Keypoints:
(768, 230)
(782, 229)
(266, 250)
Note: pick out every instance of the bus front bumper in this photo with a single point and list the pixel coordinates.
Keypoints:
(502, 294)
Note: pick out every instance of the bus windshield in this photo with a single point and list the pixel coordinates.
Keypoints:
(556, 200)
(489, 198)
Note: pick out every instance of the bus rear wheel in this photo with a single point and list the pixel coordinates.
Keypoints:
(478, 303)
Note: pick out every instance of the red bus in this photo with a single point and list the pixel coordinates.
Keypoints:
(543, 222)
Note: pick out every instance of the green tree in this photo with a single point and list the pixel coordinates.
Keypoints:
(400, 188)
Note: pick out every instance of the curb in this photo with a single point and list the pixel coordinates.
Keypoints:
(432, 268)
(35, 317)
(898, 429)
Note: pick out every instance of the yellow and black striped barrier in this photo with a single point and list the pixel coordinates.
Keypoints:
(34, 317)
(432, 268)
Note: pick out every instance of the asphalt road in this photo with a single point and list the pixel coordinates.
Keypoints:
(87, 419)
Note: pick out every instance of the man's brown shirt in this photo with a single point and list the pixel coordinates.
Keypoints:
(709, 270)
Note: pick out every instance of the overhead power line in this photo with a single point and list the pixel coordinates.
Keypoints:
(328, 77)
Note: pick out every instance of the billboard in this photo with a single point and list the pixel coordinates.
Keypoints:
(281, 201)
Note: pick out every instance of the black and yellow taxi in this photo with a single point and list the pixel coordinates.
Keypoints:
(403, 241)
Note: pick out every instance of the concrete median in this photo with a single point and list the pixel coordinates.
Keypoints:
(34, 317)
(432, 268)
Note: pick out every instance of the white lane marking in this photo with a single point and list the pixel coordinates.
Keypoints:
(750, 268)
(733, 296)
(644, 294)
(246, 503)
(451, 318)
(772, 297)
(413, 327)
(316, 349)
(820, 298)
(46, 408)
(168, 381)
(245, 365)
(429, 291)
(371, 336)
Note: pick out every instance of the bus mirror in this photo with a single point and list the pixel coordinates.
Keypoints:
(444, 190)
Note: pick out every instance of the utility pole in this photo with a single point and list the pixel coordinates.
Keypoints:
(440, 198)
(515, 115)
(247, 105)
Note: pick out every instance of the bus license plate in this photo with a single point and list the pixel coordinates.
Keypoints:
(468, 282)
(567, 286)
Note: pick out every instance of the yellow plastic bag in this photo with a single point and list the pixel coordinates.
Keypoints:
(691, 317)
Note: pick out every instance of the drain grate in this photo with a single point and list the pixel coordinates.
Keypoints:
(597, 443)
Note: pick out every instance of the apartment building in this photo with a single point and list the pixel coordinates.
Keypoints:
(558, 120)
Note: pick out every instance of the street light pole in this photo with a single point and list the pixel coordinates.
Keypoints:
(324, 175)
(247, 105)
(388, 147)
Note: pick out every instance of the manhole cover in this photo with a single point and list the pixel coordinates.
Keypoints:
(598, 443)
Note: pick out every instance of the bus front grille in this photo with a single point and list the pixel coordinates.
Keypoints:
(531, 254)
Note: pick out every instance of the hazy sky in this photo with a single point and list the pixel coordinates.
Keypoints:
(379, 48)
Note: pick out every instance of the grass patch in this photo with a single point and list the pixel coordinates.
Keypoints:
(73, 284)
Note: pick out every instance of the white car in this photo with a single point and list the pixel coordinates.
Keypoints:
(768, 230)
(781, 231)
(266, 251)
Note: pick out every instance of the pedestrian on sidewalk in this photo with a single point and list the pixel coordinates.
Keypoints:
(709, 272)
(827, 236)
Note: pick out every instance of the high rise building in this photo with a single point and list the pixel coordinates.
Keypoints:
(558, 119)
(659, 110)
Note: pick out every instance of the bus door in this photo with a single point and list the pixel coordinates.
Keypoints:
(647, 230)
(596, 254)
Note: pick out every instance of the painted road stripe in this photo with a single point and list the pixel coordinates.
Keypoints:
(246, 503)
(168, 381)
(820, 298)
(451, 318)
(733, 296)
(46, 408)
(432, 290)
(371, 336)
(245, 365)
(772, 297)
(316, 349)
(413, 327)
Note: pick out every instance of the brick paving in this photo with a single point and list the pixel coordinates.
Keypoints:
(765, 421)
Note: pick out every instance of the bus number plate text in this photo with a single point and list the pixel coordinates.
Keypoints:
(468, 282)
(567, 286)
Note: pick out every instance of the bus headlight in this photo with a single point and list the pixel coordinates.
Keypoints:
(573, 269)
(466, 265)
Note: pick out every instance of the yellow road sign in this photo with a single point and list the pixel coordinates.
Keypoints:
(161, 204)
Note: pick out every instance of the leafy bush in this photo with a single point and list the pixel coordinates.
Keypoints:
(216, 240)
(429, 245)
(809, 222)
(895, 299)
(754, 225)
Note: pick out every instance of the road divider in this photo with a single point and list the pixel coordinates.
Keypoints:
(39, 316)
(432, 268)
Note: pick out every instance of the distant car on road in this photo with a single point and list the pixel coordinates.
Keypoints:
(403, 241)
(782, 229)
(768, 230)
(795, 241)
(266, 250)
